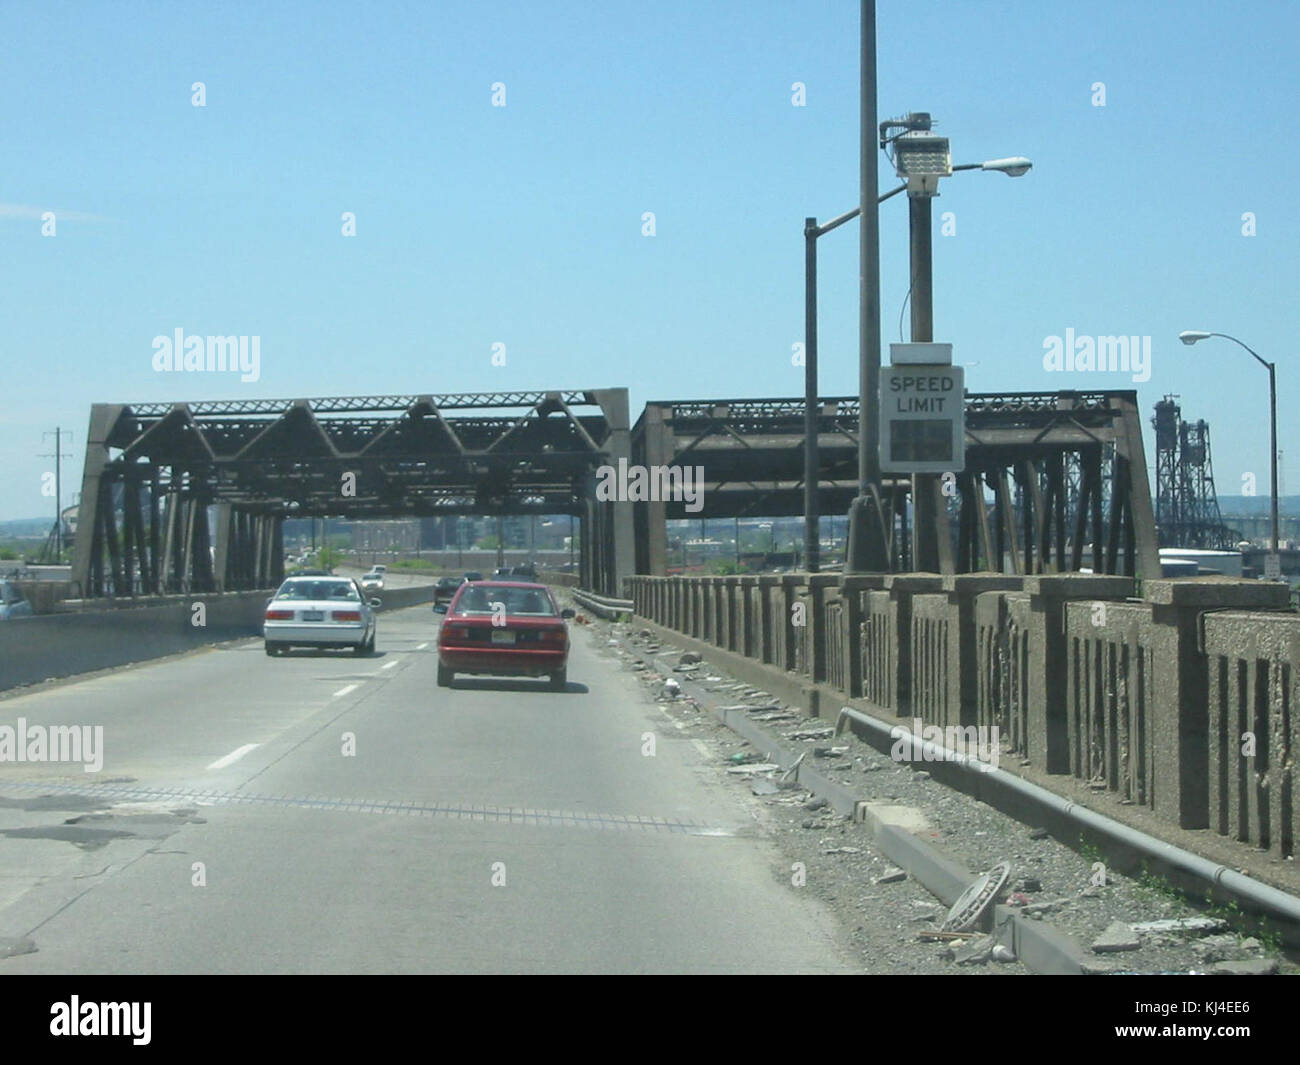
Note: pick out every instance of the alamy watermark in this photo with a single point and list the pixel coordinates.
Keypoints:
(651, 484)
(1109, 354)
(931, 743)
(53, 743)
(196, 354)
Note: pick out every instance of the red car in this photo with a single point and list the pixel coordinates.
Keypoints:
(504, 629)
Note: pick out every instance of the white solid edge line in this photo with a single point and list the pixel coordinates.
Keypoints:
(233, 756)
(344, 691)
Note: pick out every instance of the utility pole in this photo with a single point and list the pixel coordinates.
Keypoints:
(867, 549)
(58, 457)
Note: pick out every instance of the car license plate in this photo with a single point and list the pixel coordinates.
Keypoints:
(313, 615)
(502, 637)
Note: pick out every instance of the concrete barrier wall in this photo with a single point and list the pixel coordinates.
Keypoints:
(103, 635)
(61, 645)
(1143, 699)
(1253, 728)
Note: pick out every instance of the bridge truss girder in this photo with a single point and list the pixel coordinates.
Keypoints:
(152, 471)
(1054, 481)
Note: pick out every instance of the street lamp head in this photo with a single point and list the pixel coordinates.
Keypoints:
(1191, 336)
(1016, 166)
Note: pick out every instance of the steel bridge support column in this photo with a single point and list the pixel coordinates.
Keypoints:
(651, 539)
(221, 553)
(620, 560)
(87, 552)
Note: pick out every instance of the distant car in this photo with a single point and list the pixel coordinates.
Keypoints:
(504, 629)
(373, 581)
(13, 604)
(381, 570)
(527, 572)
(445, 590)
(504, 573)
(320, 612)
(473, 575)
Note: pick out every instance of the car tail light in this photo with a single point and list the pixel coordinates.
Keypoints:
(347, 615)
(553, 636)
(279, 615)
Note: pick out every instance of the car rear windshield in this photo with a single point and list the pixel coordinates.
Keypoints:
(317, 590)
(519, 602)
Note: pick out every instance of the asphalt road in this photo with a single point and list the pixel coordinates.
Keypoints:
(324, 813)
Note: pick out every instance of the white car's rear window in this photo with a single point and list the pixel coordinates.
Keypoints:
(310, 589)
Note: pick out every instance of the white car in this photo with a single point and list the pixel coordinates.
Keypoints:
(320, 612)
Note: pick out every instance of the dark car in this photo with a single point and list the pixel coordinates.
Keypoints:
(445, 590)
(527, 572)
(504, 629)
(504, 573)
(473, 575)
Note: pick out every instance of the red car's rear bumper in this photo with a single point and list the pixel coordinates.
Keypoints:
(502, 663)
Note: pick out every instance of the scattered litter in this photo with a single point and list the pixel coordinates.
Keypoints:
(1035, 909)
(1038, 833)
(843, 850)
(921, 775)
(1118, 936)
(1003, 953)
(1216, 948)
(810, 734)
(1031, 884)
(1181, 924)
(816, 804)
(794, 768)
(690, 658)
(758, 767)
(763, 786)
(829, 752)
(967, 910)
(1249, 967)
(976, 952)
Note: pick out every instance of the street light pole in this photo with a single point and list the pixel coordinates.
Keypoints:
(811, 512)
(1190, 337)
(868, 551)
(811, 507)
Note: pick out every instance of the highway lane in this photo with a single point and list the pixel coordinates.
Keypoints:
(346, 815)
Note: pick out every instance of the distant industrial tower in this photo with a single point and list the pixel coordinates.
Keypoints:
(1187, 507)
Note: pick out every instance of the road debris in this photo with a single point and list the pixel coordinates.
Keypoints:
(1117, 937)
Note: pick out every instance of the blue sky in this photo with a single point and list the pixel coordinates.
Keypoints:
(522, 225)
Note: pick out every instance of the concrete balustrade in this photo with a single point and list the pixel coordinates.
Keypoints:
(1143, 699)
(1253, 728)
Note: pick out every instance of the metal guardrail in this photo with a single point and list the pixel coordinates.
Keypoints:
(602, 606)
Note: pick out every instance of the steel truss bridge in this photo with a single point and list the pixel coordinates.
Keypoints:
(153, 469)
(1054, 481)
